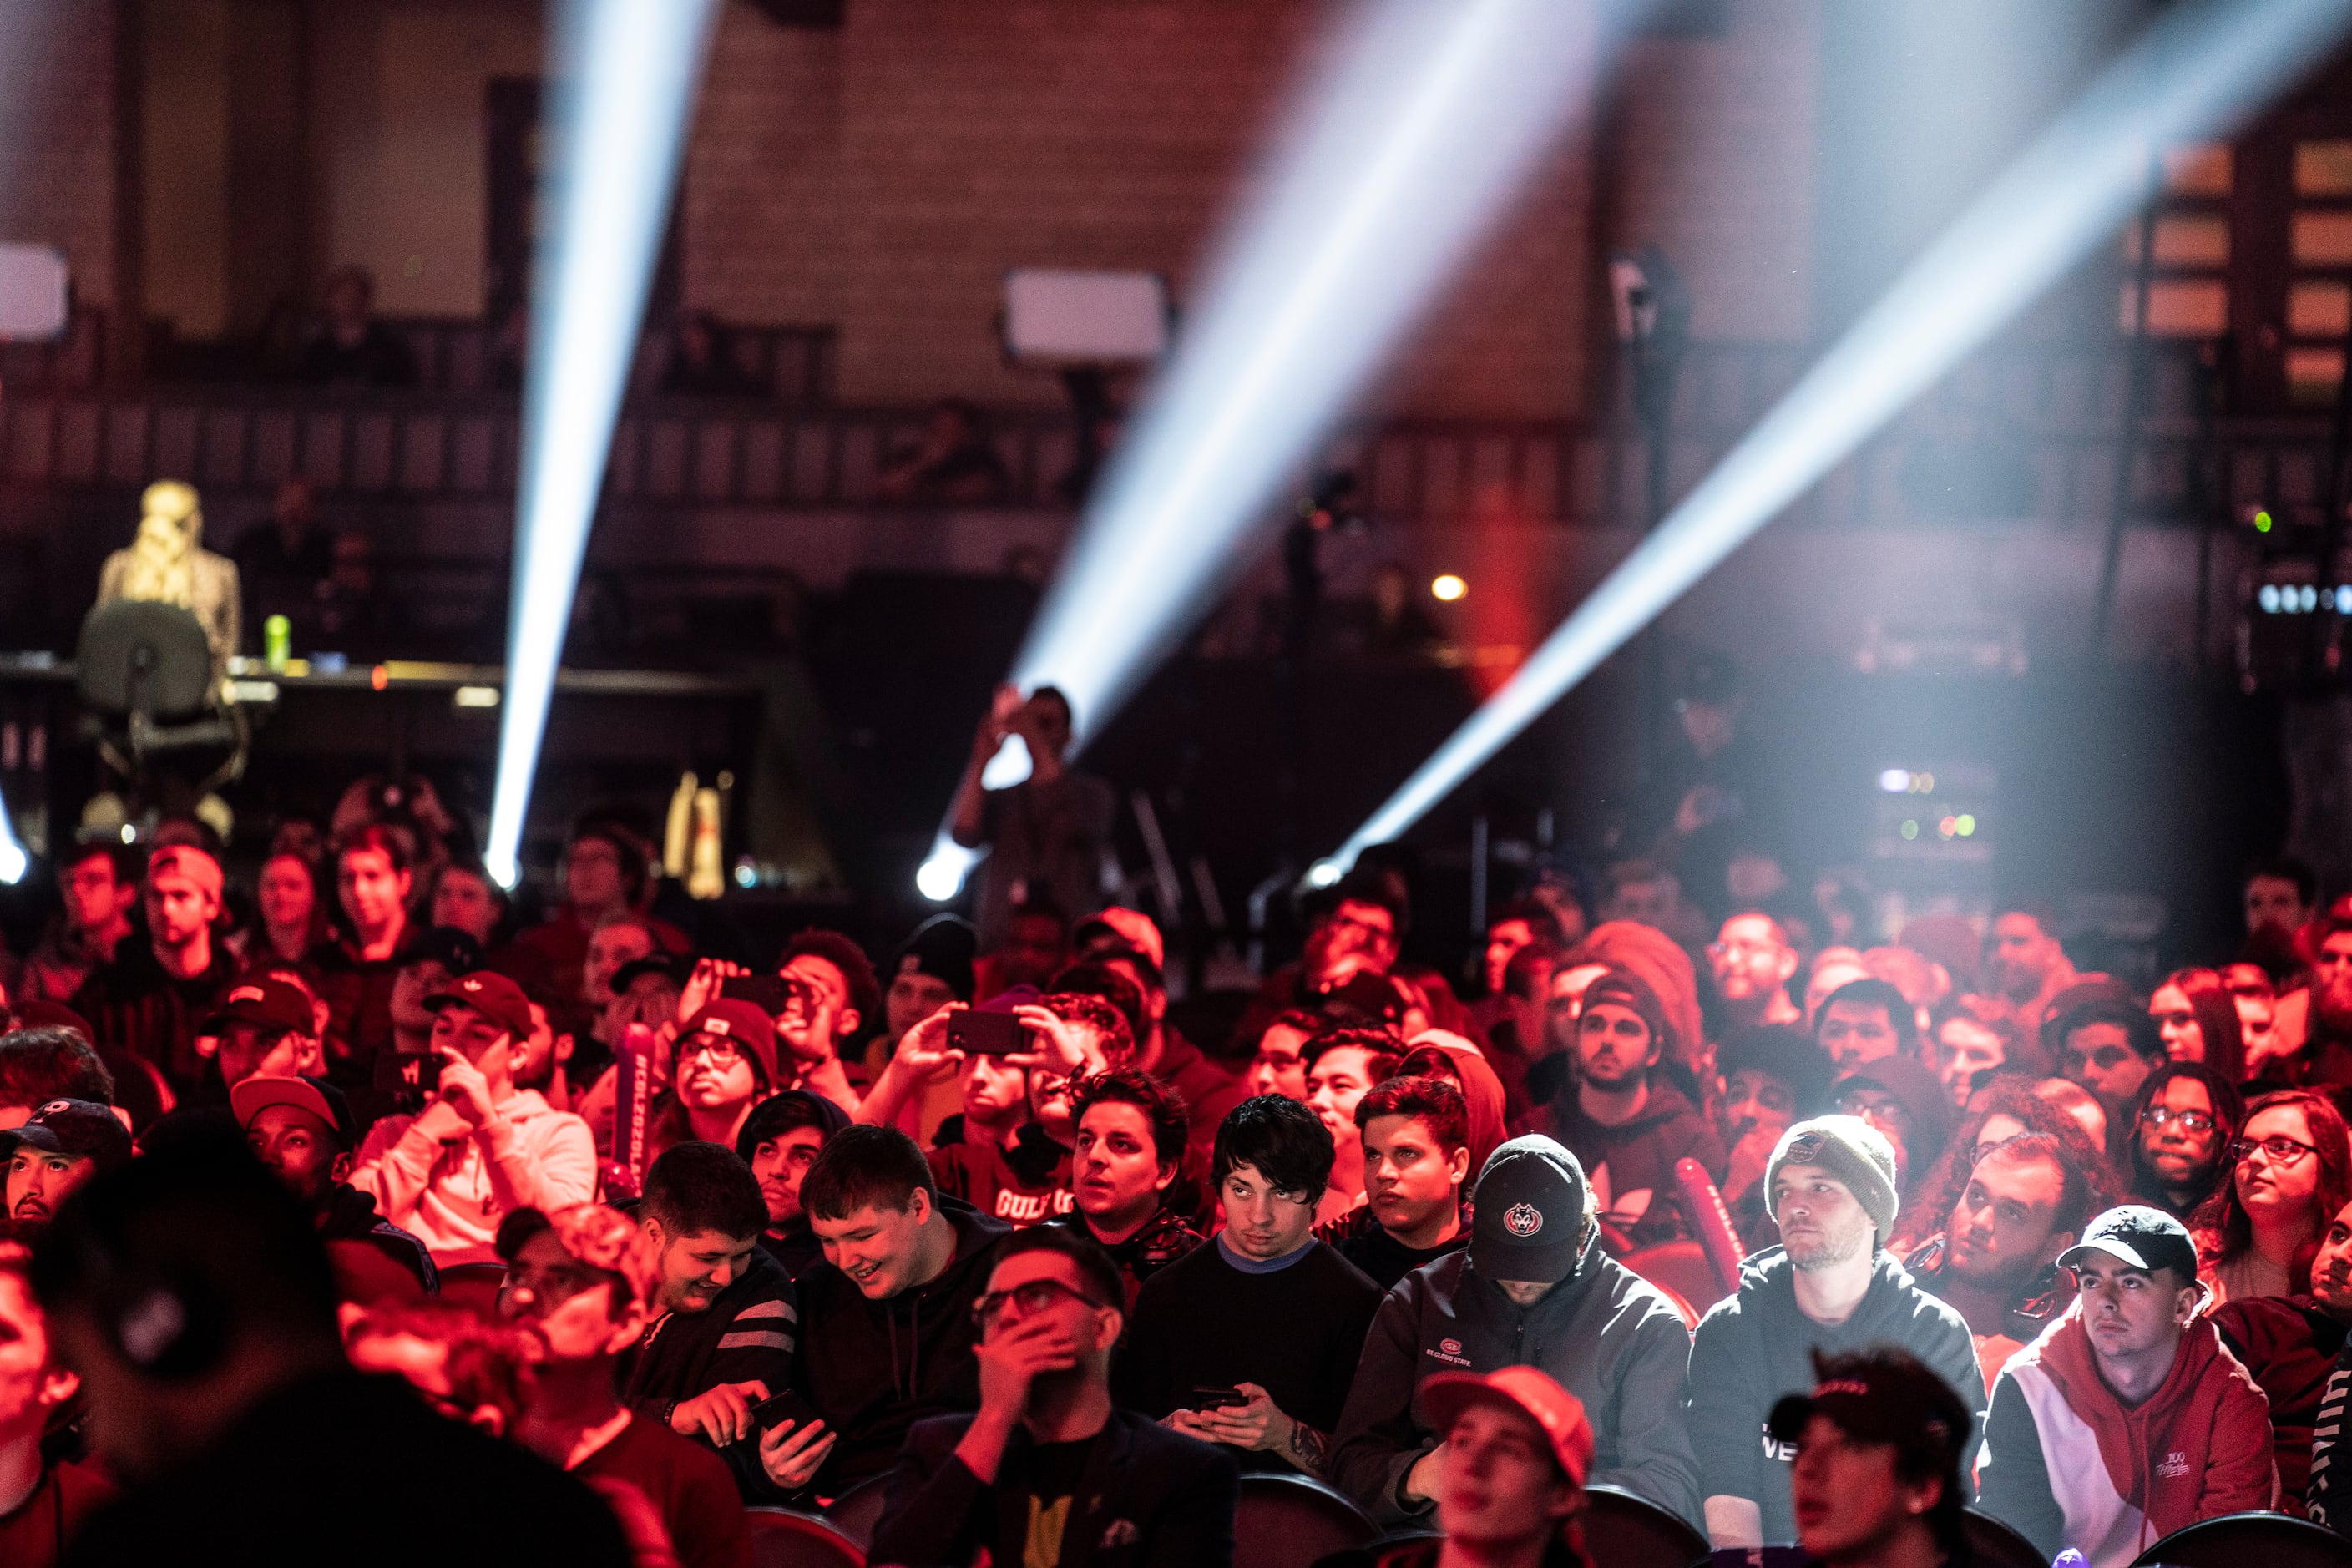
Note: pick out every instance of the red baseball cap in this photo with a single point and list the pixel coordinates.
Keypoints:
(491, 994)
(1556, 1412)
(733, 1018)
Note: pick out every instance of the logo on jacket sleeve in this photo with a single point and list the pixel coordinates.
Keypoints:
(1523, 1220)
(2173, 1465)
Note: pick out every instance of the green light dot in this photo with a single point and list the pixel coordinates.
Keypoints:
(1910, 828)
(2262, 523)
(1967, 824)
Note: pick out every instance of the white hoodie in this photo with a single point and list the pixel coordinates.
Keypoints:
(452, 1194)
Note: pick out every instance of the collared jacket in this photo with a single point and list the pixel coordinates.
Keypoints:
(1148, 1498)
(1609, 1336)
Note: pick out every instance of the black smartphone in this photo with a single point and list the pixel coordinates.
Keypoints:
(768, 993)
(987, 1034)
(779, 1409)
(1219, 1397)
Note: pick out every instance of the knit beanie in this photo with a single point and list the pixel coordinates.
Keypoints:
(1848, 1147)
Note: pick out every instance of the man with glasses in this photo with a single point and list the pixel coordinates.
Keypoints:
(481, 1148)
(1753, 965)
(1047, 1470)
(2127, 1420)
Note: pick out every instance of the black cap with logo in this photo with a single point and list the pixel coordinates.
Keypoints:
(1528, 1211)
(2138, 1238)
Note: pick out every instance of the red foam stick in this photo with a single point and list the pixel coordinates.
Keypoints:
(1703, 1205)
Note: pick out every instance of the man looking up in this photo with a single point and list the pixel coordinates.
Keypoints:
(2127, 1420)
(779, 1141)
(722, 1316)
(1865, 1021)
(148, 998)
(833, 1001)
(1830, 1287)
(99, 884)
(1877, 1481)
(62, 1146)
(42, 1505)
(1627, 1123)
(1753, 965)
(886, 1320)
(300, 1130)
(1996, 1261)
(1268, 1317)
(2027, 966)
(1533, 1288)
(1512, 1494)
(481, 1148)
(1416, 1142)
(1047, 1467)
(1132, 1133)
(580, 1284)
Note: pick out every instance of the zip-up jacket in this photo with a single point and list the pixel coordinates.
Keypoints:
(1756, 1345)
(745, 1335)
(349, 1214)
(453, 1195)
(873, 1369)
(2067, 1463)
(1609, 1336)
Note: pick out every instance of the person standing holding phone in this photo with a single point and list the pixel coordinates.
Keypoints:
(1045, 835)
(481, 1148)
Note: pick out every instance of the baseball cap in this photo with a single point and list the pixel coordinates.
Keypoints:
(491, 994)
(733, 1018)
(1528, 1211)
(248, 1098)
(661, 961)
(1533, 1393)
(1879, 1398)
(1130, 929)
(265, 1004)
(74, 1127)
(2140, 1236)
(453, 950)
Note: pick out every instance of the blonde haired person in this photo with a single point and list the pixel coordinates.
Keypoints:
(167, 563)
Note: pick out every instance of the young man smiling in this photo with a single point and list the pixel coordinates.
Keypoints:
(1131, 1134)
(2126, 1420)
(1253, 1341)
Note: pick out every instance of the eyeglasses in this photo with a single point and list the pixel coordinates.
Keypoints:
(1033, 1297)
(722, 1051)
(2279, 1149)
(2163, 1116)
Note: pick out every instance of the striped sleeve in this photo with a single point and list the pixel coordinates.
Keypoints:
(2328, 1497)
(763, 1325)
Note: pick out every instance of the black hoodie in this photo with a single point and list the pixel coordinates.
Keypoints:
(875, 1368)
(347, 1213)
(1756, 1345)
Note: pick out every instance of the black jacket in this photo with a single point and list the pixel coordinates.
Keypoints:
(745, 1336)
(873, 1369)
(350, 1215)
(1147, 1499)
(1607, 1335)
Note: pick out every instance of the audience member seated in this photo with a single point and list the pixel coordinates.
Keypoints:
(1355, 926)
(62, 1146)
(463, 898)
(2291, 1345)
(1905, 1103)
(725, 1065)
(2127, 1420)
(1131, 1136)
(1280, 1065)
(933, 968)
(1865, 1021)
(2027, 968)
(887, 1332)
(39, 1065)
(1830, 1286)
(2197, 1022)
(289, 917)
(1035, 947)
(1512, 1490)
(2184, 1124)
(1879, 1480)
(263, 1025)
(1970, 1050)
(98, 883)
(1753, 963)
(1252, 1340)
(1046, 1470)
(2109, 1047)
(1001, 1159)
(282, 559)
(1768, 1077)
(148, 999)
(605, 873)
(1996, 1261)
(1342, 1064)
(721, 1312)
(354, 349)
(44, 1499)
(780, 1141)
(2327, 1495)
(1485, 1103)
(2293, 1170)
(481, 1148)
(1624, 1118)
(428, 965)
(1416, 1134)
(301, 1130)
(1130, 945)
(357, 968)
(832, 1003)
(585, 1285)
(1533, 1288)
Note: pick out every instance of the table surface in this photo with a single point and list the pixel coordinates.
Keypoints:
(418, 675)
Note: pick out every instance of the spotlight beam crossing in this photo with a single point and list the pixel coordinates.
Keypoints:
(2195, 73)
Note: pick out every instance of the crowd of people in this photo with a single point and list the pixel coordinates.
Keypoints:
(346, 1186)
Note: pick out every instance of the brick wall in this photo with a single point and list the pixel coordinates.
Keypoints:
(56, 155)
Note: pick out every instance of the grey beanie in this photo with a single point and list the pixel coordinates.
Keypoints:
(1848, 1147)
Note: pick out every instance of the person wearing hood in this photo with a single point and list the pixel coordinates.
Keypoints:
(1533, 1288)
(1627, 1123)
(1906, 1102)
(1434, 1053)
(2136, 1375)
(1830, 1286)
(1631, 947)
(886, 1330)
(301, 1129)
(780, 1141)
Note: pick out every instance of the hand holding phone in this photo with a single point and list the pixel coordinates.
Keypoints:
(976, 1033)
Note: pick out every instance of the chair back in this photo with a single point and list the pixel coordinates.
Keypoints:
(857, 1511)
(785, 1538)
(1284, 1521)
(1992, 1544)
(1679, 1269)
(2273, 1540)
(138, 656)
(1621, 1530)
(473, 1286)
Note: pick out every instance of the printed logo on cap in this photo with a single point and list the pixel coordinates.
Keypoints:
(910, 963)
(471, 982)
(716, 1026)
(245, 994)
(56, 1105)
(1523, 1220)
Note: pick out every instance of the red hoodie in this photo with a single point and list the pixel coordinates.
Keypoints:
(2199, 1448)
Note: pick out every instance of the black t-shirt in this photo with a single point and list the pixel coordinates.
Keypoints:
(1054, 1471)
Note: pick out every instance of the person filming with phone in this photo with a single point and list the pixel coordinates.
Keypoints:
(1046, 835)
(481, 1148)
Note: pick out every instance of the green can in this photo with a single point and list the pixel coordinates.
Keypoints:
(277, 643)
